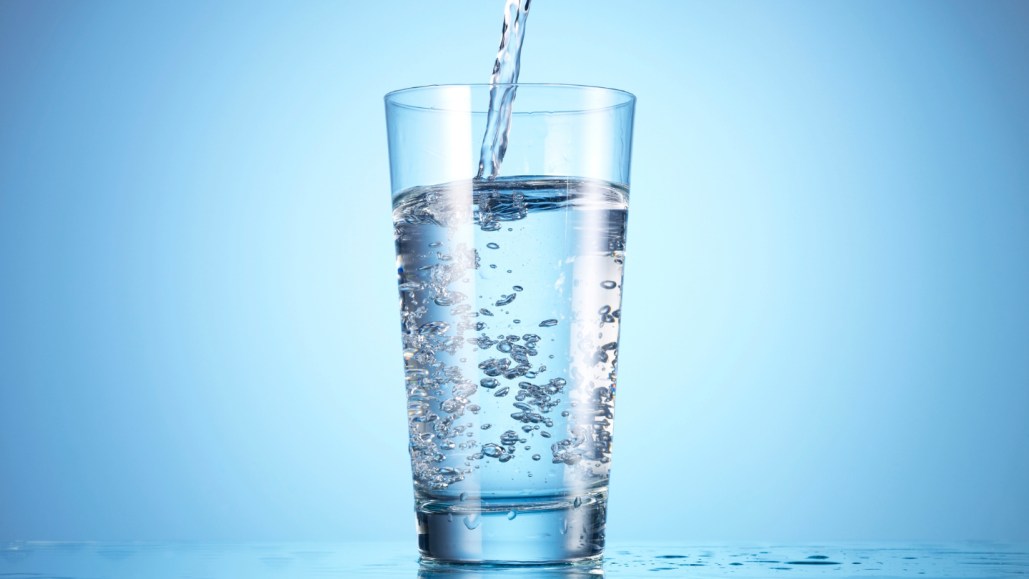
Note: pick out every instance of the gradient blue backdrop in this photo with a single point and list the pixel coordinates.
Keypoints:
(826, 331)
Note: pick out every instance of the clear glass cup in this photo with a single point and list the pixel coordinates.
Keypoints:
(510, 293)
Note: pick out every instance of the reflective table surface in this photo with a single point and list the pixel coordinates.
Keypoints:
(66, 560)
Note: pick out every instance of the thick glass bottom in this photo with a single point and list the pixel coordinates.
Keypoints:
(498, 532)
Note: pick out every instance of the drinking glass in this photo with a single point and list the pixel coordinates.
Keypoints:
(510, 298)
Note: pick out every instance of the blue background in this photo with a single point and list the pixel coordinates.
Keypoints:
(826, 331)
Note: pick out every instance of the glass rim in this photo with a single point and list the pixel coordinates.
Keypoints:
(619, 97)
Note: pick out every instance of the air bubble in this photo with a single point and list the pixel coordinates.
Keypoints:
(472, 522)
(433, 328)
(509, 437)
(511, 515)
(464, 389)
(536, 457)
(547, 323)
(608, 284)
(492, 245)
(504, 300)
(492, 450)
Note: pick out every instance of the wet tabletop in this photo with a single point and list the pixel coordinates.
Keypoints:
(41, 560)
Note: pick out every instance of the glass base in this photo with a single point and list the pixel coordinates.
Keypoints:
(505, 532)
